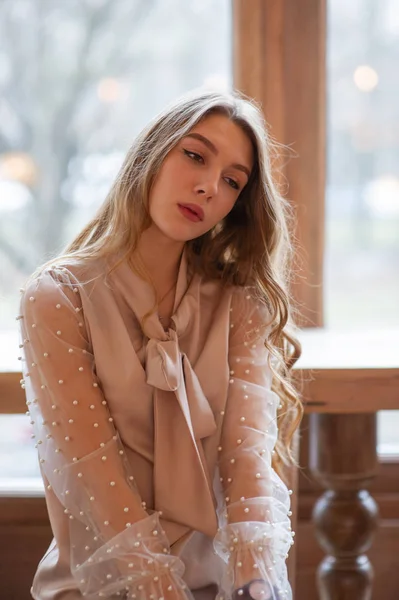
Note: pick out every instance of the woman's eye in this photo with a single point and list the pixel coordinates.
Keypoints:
(193, 156)
(199, 159)
(232, 183)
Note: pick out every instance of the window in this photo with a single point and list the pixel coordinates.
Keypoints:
(87, 78)
(362, 195)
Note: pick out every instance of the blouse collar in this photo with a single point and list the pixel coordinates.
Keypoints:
(140, 297)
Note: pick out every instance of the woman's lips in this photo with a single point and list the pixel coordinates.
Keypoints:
(188, 213)
(196, 208)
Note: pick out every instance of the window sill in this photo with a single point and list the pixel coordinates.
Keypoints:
(23, 487)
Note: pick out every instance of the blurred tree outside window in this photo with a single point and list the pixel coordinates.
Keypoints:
(362, 194)
(91, 73)
(78, 81)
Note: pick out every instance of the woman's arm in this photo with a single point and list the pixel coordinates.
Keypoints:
(255, 531)
(115, 544)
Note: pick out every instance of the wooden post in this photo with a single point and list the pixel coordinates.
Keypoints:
(343, 458)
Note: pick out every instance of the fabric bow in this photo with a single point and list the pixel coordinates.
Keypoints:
(182, 418)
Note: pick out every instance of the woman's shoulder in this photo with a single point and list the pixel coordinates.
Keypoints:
(238, 300)
(76, 274)
(246, 299)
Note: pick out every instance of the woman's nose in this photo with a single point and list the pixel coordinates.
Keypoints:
(207, 187)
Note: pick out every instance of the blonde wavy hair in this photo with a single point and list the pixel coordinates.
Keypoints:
(251, 247)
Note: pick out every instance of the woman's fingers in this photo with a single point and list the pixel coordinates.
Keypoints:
(255, 590)
(260, 590)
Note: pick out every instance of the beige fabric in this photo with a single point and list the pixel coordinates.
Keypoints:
(130, 419)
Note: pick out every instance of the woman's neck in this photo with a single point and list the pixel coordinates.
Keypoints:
(160, 257)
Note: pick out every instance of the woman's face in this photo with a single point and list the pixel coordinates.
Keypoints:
(208, 169)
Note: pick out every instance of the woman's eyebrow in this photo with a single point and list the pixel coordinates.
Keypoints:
(214, 150)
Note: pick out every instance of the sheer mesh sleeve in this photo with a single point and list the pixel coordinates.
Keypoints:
(254, 527)
(115, 545)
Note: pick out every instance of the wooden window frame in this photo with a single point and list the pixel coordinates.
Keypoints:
(279, 60)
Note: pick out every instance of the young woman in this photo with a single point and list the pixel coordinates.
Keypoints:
(156, 364)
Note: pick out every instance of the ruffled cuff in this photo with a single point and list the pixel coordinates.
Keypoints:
(161, 583)
(136, 563)
(256, 550)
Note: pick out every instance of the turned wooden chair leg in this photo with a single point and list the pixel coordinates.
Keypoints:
(343, 458)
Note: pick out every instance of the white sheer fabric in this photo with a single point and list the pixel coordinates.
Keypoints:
(255, 532)
(115, 545)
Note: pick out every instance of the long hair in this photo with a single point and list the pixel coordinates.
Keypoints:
(251, 246)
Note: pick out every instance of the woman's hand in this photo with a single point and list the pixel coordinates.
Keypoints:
(257, 589)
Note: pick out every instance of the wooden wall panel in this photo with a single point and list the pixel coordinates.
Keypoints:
(21, 549)
(25, 534)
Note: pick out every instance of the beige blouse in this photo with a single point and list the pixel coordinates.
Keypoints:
(147, 438)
